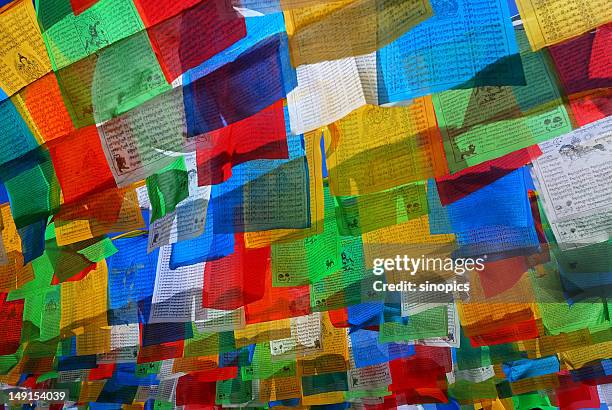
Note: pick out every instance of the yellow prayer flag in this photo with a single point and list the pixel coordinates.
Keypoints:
(330, 31)
(84, 302)
(376, 148)
(548, 22)
(23, 56)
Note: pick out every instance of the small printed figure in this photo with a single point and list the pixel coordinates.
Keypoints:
(414, 207)
(95, 38)
(121, 163)
(51, 306)
(471, 151)
(488, 94)
(28, 67)
(353, 224)
(310, 240)
(192, 177)
(283, 277)
(574, 152)
(554, 123)
(329, 264)
(149, 80)
(346, 259)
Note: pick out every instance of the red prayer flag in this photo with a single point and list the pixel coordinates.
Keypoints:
(278, 302)
(10, 332)
(80, 164)
(260, 136)
(194, 35)
(237, 279)
(453, 187)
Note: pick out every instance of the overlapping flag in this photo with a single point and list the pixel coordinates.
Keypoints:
(291, 204)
